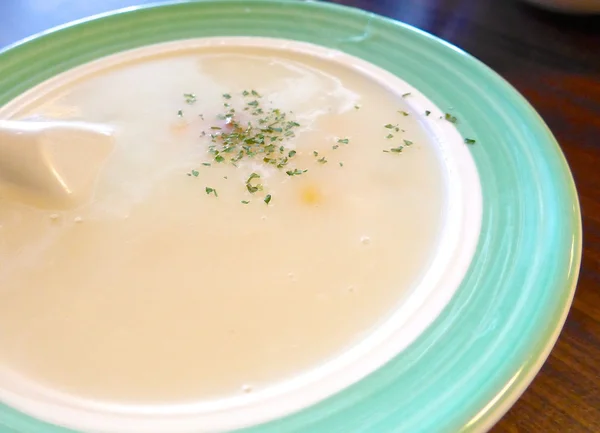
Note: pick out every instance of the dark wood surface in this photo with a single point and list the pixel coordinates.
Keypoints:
(554, 60)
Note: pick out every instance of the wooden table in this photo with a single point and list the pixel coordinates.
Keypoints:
(554, 61)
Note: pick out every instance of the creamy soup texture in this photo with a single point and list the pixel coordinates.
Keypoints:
(183, 278)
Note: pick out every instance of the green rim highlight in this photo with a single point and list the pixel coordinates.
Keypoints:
(463, 373)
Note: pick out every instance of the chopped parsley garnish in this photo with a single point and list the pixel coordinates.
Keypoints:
(261, 134)
(253, 176)
(253, 188)
(295, 172)
(256, 138)
(180, 113)
(470, 141)
(404, 95)
(450, 118)
(190, 98)
(427, 112)
(395, 149)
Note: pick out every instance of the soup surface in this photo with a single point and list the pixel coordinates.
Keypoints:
(263, 210)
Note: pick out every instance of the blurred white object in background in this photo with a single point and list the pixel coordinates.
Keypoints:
(573, 6)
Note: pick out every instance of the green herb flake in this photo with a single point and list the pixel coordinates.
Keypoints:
(408, 142)
(268, 198)
(282, 162)
(195, 173)
(341, 164)
(253, 176)
(216, 128)
(219, 158)
(322, 160)
(190, 98)
(335, 146)
(390, 126)
(427, 112)
(292, 153)
(404, 95)
(357, 107)
(395, 149)
(270, 148)
(226, 96)
(450, 118)
(469, 141)
(404, 113)
(211, 191)
(206, 164)
(245, 93)
(252, 189)
(255, 93)
(389, 136)
(253, 103)
(343, 141)
(315, 153)
(295, 172)
(180, 113)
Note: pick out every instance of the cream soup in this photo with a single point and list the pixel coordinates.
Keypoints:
(191, 274)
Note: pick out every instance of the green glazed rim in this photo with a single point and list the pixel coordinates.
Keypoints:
(479, 355)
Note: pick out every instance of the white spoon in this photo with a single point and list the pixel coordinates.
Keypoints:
(51, 164)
